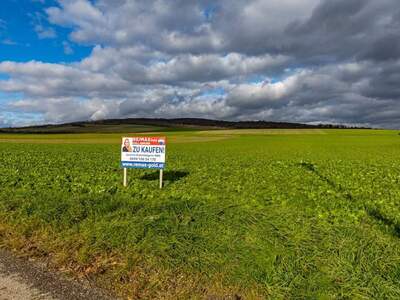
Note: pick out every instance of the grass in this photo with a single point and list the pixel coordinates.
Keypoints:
(105, 138)
(261, 215)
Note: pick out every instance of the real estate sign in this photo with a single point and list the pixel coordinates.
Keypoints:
(143, 152)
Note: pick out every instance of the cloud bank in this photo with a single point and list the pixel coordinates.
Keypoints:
(335, 61)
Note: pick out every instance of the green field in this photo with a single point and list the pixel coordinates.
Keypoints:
(280, 214)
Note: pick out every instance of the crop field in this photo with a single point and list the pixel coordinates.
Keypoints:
(253, 214)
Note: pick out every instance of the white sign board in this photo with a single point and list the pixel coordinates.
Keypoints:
(143, 152)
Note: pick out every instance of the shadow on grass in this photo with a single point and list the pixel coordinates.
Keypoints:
(377, 215)
(372, 212)
(171, 176)
(313, 169)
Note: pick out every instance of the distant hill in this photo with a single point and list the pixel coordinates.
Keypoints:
(148, 124)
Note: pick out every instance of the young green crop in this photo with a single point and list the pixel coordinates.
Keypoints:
(291, 215)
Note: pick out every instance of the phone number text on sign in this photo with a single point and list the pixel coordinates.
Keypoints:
(143, 152)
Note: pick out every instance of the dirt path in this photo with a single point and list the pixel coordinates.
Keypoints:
(21, 279)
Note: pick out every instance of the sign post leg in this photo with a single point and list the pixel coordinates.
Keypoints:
(161, 178)
(125, 177)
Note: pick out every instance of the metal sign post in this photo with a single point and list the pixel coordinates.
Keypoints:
(161, 178)
(125, 177)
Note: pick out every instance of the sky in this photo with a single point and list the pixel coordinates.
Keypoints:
(308, 61)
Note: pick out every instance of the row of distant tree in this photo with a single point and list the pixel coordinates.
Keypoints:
(218, 123)
(171, 123)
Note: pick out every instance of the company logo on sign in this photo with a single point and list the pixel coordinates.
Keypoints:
(143, 152)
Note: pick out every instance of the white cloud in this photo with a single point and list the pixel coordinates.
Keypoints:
(9, 42)
(67, 48)
(286, 60)
(45, 33)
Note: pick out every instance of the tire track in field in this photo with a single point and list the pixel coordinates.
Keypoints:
(372, 211)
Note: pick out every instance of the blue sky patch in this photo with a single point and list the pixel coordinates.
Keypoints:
(25, 34)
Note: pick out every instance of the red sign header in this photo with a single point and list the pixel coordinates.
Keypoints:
(145, 140)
